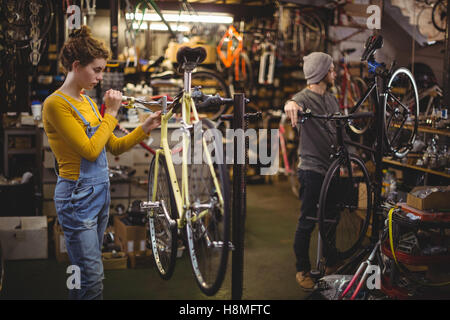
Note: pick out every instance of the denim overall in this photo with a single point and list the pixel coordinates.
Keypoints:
(83, 207)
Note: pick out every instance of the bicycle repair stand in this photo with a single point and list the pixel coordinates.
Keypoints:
(239, 207)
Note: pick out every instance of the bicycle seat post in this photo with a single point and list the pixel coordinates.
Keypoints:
(188, 67)
(164, 104)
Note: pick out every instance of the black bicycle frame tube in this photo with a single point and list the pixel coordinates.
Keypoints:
(366, 95)
(379, 100)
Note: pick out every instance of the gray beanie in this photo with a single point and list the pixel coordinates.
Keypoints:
(316, 66)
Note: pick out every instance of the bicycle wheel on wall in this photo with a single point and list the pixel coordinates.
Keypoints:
(208, 228)
(345, 205)
(163, 238)
(401, 112)
(439, 15)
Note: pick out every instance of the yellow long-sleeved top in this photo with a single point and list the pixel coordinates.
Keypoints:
(67, 134)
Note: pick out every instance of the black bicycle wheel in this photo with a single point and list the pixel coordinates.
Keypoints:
(208, 222)
(401, 112)
(439, 15)
(163, 238)
(345, 205)
(211, 84)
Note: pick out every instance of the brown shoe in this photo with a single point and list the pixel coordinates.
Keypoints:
(305, 281)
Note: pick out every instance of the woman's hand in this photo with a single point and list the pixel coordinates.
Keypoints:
(153, 121)
(291, 109)
(113, 101)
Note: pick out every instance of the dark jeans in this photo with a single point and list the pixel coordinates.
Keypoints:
(310, 185)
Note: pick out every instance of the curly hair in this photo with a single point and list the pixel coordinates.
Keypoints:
(83, 47)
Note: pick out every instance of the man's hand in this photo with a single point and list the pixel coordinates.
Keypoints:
(291, 109)
(153, 121)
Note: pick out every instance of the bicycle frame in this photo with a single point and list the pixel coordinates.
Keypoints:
(181, 194)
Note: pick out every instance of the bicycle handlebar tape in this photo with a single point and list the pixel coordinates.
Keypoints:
(316, 66)
(187, 54)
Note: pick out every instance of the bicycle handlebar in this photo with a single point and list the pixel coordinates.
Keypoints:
(335, 116)
(204, 100)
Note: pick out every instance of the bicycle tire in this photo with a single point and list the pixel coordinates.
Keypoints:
(212, 84)
(402, 101)
(208, 237)
(357, 88)
(351, 213)
(443, 15)
(163, 240)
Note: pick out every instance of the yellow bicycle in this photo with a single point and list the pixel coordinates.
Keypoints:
(197, 208)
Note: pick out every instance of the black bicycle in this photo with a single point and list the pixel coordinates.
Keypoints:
(348, 197)
(395, 91)
(345, 202)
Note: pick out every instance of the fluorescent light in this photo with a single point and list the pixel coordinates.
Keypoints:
(163, 27)
(160, 27)
(175, 17)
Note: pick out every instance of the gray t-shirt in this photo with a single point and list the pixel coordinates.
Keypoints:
(316, 135)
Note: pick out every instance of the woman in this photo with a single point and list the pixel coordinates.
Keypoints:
(79, 137)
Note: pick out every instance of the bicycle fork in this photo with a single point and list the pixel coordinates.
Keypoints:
(364, 266)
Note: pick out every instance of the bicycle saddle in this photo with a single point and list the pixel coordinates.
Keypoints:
(373, 43)
(194, 55)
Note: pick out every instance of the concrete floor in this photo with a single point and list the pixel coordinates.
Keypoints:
(269, 265)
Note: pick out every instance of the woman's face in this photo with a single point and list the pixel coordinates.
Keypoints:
(89, 76)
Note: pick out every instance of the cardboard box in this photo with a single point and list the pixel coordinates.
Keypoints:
(114, 262)
(140, 259)
(60, 243)
(24, 237)
(131, 238)
(438, 198)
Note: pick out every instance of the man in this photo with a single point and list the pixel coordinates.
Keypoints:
(316, 138)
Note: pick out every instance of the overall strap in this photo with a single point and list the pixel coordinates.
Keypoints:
(93, 107)
(76, 110)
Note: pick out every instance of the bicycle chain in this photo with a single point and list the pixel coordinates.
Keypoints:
(35, 42)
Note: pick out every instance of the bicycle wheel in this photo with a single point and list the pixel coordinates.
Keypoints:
(163, 239)
(439, 15)
(208, 227)
(344, 207)
(212, 84)
(356, 91)
(401, 106)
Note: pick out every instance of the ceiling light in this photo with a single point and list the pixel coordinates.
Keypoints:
(172, 16)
